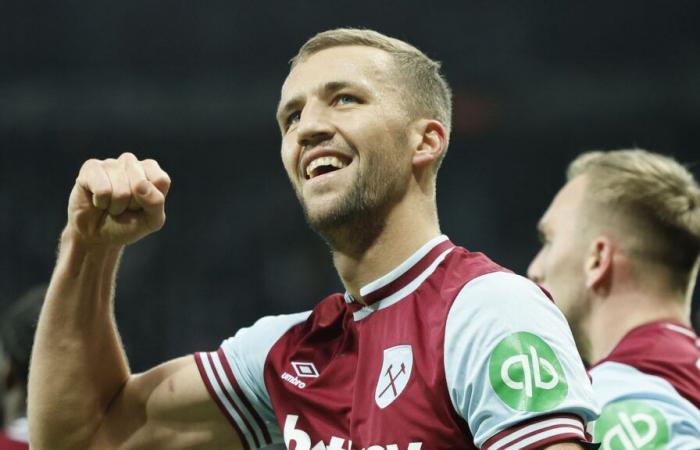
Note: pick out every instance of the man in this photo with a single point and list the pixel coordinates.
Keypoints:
(16, 335)
(620, 254)
(417, 354)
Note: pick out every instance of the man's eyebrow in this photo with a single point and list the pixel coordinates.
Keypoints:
(333, 86)
(328, 88)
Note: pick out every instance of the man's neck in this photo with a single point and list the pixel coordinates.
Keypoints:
(400, 238)
(615, 316)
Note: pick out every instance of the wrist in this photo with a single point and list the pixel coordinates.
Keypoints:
(73, 239)
(80, 256)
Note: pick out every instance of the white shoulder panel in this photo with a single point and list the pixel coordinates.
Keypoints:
(510, 357)
(235, 377)
(247, 351)
(620, 384)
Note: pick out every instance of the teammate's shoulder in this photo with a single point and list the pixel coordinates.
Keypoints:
(615, 380)
(629, 396)
(656, 351)
(659, 342)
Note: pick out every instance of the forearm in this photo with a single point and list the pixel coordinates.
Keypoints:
(78, 363)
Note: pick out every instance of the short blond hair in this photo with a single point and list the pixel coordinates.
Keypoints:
(658, 198)
(429, 94)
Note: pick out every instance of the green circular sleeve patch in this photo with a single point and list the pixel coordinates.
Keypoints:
(526, 374)
(631, 425)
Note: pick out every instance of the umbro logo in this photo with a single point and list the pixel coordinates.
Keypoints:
(303, 370)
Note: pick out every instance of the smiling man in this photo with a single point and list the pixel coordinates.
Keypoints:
(429, 347)
(620, 253)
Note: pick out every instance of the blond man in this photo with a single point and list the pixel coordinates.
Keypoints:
(416, 354)
(620, 254)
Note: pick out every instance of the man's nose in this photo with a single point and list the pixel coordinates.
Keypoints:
(314, 125)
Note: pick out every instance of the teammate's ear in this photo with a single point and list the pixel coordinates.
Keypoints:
(431, 142)
(599, 263)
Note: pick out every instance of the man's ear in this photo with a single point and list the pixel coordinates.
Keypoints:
(599, 263)
(432, 142)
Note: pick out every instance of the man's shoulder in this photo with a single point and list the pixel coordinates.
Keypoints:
(632, 399)
(462, 268)
(464, 265)
(475, 278)
(660, 350)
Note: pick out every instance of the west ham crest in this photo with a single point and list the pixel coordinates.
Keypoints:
(396, 371)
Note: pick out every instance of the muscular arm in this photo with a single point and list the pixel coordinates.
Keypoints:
(81, 392)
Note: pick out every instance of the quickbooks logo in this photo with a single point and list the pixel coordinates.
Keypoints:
(526, 374)
(631, 425)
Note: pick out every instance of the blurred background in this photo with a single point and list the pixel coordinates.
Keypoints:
(195, 85)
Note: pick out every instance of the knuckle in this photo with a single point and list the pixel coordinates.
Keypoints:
(90, 164)
(103, 191)
(162, 179)
(127, 156)
(151, 165)
(121, 195)
(159, 223)
(110, 163)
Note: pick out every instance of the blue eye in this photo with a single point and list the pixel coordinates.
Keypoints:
(344, 99)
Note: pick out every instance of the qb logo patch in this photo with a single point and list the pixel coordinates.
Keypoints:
(526, 374)
(631, 425)
(395, 373)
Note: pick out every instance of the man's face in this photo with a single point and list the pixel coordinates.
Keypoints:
(344, 143)
(559, 265)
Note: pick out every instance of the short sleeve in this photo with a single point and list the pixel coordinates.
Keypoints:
(234, 377)
(512, 368)
(642, 411)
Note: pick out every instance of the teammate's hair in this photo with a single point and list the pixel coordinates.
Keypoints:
(17, 329)
(654, 198)
(427, 92)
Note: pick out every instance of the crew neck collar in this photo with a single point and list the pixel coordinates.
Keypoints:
(403, 279)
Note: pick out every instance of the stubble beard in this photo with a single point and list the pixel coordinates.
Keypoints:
(359, 216)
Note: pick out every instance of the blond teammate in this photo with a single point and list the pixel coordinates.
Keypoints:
(620, 253)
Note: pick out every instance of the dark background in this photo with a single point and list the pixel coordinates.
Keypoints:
(195, 85)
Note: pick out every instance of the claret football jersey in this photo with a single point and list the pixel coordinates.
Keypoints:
(448, 351)
(649, 388)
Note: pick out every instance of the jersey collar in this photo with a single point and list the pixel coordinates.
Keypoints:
(404, 279)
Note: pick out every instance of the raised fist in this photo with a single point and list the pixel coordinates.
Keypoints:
(117, 201)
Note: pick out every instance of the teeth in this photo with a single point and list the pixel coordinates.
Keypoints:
(324, 161)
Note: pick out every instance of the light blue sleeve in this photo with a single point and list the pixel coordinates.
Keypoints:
(234, 376)
(510, 359)
(642, 410)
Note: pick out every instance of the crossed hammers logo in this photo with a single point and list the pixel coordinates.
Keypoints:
(392, 379)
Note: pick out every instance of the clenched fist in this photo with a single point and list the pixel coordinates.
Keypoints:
(117, 201)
